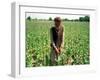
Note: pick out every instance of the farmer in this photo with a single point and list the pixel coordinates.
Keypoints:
(57, 40)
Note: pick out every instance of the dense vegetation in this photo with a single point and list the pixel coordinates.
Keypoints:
(76, 43)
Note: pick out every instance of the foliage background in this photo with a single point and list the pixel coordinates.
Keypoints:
(76, 43)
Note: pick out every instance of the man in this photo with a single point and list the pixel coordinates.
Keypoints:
(57, 40)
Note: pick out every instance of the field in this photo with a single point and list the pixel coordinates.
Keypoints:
(76, 43)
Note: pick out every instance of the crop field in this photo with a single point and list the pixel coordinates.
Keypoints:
(76, 43)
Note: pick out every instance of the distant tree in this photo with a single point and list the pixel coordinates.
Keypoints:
(86, 18)
(81, 18)
(28, 18)
(50, 18)
(65, 19)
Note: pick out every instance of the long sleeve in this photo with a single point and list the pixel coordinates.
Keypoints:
(62, 44)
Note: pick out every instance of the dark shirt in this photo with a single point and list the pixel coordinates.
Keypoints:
(57, 36)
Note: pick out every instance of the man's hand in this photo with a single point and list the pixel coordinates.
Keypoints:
(57, 50)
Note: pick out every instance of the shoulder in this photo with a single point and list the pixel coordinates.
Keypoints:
(52, 28)
(62, 27)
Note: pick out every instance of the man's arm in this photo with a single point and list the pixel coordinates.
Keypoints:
(62, 44)
(55, 48)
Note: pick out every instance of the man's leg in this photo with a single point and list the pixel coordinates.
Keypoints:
(53, 57)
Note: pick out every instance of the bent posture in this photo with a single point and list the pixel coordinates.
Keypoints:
(57, 39)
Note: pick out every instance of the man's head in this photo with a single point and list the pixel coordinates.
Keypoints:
(57, 21)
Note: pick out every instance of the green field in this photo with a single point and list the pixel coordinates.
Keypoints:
(76, 43)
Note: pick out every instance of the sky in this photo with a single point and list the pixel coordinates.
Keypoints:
(46, 16)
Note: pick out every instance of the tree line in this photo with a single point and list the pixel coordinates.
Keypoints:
(81, 19)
